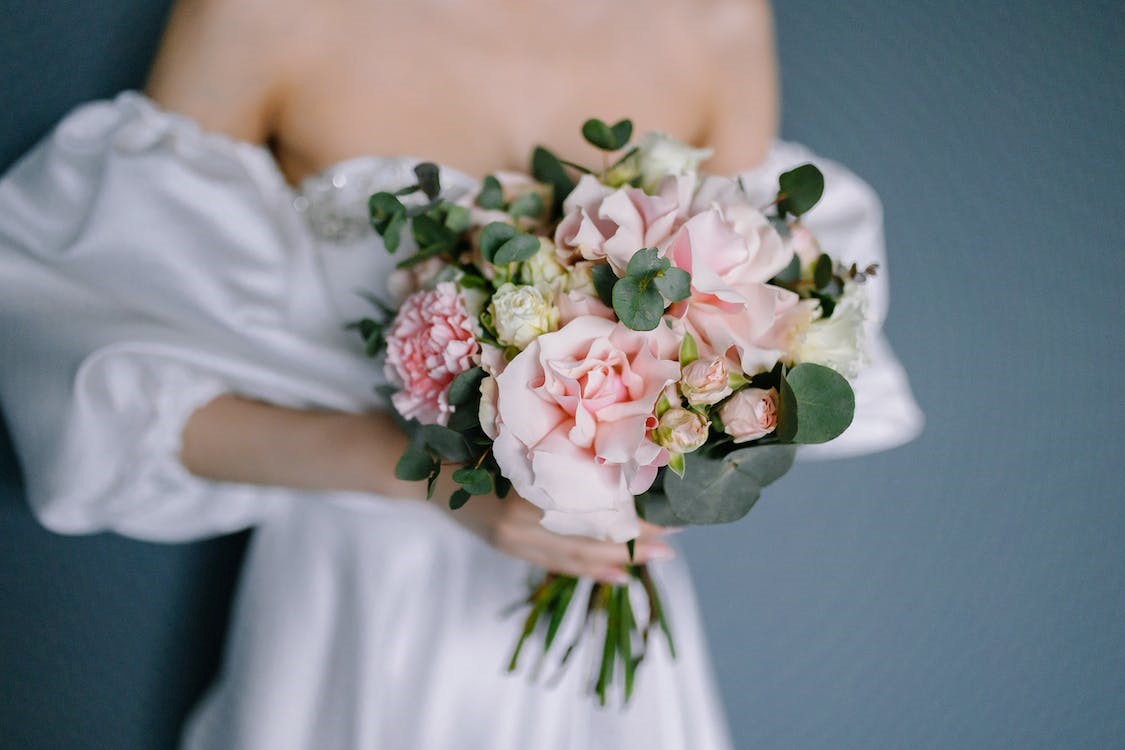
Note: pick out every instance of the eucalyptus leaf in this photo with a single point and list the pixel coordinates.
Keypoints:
(457, 218)
(722, 490)
(416, 464)
(519, 248)
(604, 279)
(791, 272)
(622, 132)
(800, 189)
(392, 234)
(599, 135)
(429, 233)
(458, 498)
(448, 443)
(465, 386)
(529, 205)
(822, 271)
(474, 481)
(825, 402)
(638, 304)
(493, 236)
(429, 179)
(491, 195)
(646, 263)
(674, 284)
(546, 168)
(383, 207)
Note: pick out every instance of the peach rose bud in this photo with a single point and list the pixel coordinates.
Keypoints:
(750, 414)
(680, 431)
(706, 381)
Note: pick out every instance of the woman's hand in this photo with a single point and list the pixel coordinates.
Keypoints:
(512, 526)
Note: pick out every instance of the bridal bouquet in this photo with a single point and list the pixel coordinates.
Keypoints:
(644, 342)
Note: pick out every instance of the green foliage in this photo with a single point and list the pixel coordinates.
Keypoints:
(457, 218)
(546, 168)
(723, 489)
(822, 272)
(639, 297)
(493, 236)
(607, 137)
(388, 217)
(465, 386)
(519, 248)
(529, 205)
(474, 481)
(416, 464)
(689, 350)
(429, 179)
(604, 279)
(799, 189)
(491, 195)
(447, 443)
(791, 273)
(458, 498)
(816, 404)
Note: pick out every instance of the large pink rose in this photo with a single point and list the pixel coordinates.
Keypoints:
(731, 251)
(614, 224)
(430, 342)
(575, 410)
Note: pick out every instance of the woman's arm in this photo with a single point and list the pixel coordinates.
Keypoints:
(234, 439)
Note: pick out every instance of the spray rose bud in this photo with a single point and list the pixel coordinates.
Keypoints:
(542, 269)
(803, 243)
(680, 430)
(750, 414)
(706, 381)
(521, 314)
(659, 156)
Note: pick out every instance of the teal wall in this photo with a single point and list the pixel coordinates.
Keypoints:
(965, 591)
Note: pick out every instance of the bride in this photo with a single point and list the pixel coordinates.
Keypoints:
(176, 269)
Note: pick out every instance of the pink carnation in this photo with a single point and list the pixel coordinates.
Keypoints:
(429, 344)
(575, 413)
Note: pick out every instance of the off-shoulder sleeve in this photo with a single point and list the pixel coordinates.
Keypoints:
(848, 223)
(142, 273)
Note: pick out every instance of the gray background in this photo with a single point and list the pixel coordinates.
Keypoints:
(965, 591)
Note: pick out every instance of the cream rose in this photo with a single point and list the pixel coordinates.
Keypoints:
(660, 156)
(838, 341)
(520, 314)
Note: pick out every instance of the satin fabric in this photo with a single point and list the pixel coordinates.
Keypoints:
(147, 266)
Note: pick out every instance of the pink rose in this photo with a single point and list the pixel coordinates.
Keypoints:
(681, 431)
(430, 342)
(731, 251)
(706, 381)
(600, 223)
(750, 414)
(575, 410)
(576, 304)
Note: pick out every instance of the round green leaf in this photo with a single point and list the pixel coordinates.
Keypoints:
(529, 205)
(646, 263)
(474, 481)
(722, 490)
(429, 179)
(800, 189)
(465, 386)
(622, 132)
(493, 236)
(674, 284)
(604, 279)
(447, 443)
(638, 304)
(491, 195)
(824, 401)
(458, 498)
(822, 271)
(521, 247)
(546, 168)
(599, 135)
(416, 464)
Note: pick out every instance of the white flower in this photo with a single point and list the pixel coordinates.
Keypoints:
(543, 268)
(489, 417)
(521, 314)
(661, 155)
(838, 341)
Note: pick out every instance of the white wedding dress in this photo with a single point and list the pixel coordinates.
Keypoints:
(146, 267)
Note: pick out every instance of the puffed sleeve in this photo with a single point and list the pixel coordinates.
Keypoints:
(143, 272)
(848, 223)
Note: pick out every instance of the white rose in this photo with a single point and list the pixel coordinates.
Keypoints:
(521, 314)
(543, 268)
(838, 341)
(489, 417)
(660, 155)
(680, 431)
